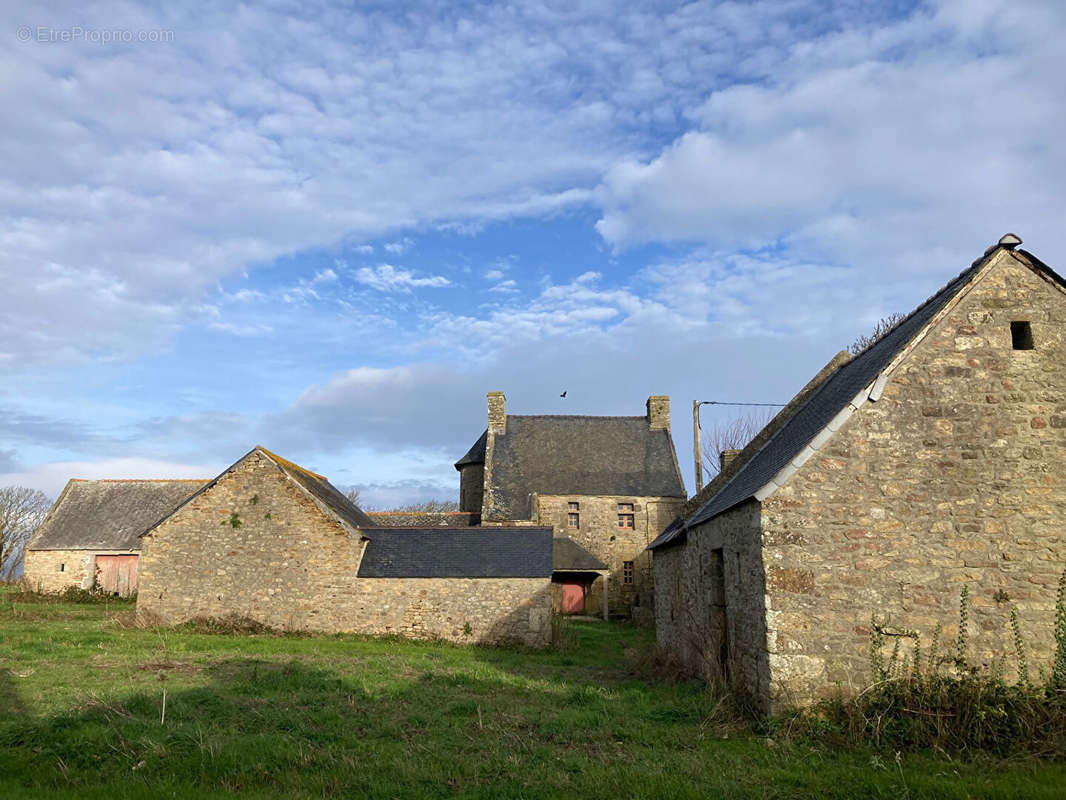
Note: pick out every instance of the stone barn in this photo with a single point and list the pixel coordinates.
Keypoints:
(90, 537)
(609, 484)
(274, 542)
(931, 461)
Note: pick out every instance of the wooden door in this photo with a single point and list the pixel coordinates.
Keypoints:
(116, 574)
(573, 598)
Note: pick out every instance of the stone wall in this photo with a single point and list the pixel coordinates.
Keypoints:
(257, 546)
(471, 487)
(954, 477)
(600, 535)
(709, 602)
(42, 571)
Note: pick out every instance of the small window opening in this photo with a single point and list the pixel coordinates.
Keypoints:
(573, 516)
(627, 573)
(62, 567)
(1021, 335)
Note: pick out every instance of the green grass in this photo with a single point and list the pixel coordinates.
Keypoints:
(81, 698)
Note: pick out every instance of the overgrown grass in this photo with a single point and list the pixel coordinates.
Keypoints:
(82, 715)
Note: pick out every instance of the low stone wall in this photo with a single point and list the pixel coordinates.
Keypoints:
(56, 570)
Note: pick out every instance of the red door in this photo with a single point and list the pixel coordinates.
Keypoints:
(573, 598)
(116, 574)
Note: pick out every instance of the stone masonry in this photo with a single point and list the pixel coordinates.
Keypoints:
(56, 570)
(598, 532)
(255, 545)
(953, 477)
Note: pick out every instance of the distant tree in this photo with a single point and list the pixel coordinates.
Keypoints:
(883, 326)
(21, 511)
(430, 505)
(353, 495)
(731, 435)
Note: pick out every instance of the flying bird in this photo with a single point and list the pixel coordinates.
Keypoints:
(563, 394)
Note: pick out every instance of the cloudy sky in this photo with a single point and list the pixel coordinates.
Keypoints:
(332, 232)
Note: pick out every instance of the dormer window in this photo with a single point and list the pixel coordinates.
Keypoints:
(1021, 335)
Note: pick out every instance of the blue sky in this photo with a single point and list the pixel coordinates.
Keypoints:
(331, 231)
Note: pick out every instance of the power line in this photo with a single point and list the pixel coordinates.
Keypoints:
(725, 403)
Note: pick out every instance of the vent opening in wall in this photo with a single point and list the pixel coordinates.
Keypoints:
(1021, 335)
(62, 567)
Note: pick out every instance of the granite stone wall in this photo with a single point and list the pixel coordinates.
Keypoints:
(56, 570)
(710, 602)
(257, 546)
(956, 476)
(599, 533)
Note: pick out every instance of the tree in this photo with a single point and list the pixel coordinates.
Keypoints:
(883, 326)
(353, 495)
(730, 435)
(21, 511)
(430, 505)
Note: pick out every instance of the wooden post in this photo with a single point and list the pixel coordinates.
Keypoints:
(696, 445)
(604, 596)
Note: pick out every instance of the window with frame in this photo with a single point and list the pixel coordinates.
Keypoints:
(627, 573)
(625, 515)
(573, 515)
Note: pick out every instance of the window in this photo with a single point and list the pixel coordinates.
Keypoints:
(62, 567)
(625, 515)
(627, 573)
(573, 515)
(1021, 335)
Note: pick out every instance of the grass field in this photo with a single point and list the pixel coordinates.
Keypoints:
(81, 715)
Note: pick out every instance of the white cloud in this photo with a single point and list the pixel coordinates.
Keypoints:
(505, 287)
(387, 278)
(51, 478)
(870, 145)
(493, 274)
(399, 247)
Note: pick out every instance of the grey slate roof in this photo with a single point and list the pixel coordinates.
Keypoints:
(109, 514)
(424, 519)
(826, 402)
(476, 454)
(455, 553)
(576, 455)
(569, 556)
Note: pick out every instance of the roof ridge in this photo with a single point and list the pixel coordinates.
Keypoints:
(580, 416)
(141, 480)
(284, 462)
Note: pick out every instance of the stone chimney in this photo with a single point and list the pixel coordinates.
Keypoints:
(725, 457)
(497, 413)
(659, 412)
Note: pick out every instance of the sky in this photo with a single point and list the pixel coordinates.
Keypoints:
(332, 230)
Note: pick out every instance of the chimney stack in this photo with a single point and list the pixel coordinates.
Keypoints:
(659, 412)
(497, 413)
(725, 457)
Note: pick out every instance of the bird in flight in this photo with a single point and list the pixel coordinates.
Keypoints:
(563, 394)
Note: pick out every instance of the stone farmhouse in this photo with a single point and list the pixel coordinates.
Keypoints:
(930, 461)
(608, 484)
(90, 537)
(277, 543)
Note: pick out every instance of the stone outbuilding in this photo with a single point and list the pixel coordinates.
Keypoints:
(90, 537)
(271, 541)
(932, 460)
(610, 484)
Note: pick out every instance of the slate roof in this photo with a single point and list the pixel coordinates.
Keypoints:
(424, 519)
(470, 553)
(579, 455)
(825, 402)
(476, 454)
(569, 556)
(109, 514)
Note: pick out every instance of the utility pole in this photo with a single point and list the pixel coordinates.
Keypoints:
(696, 444)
